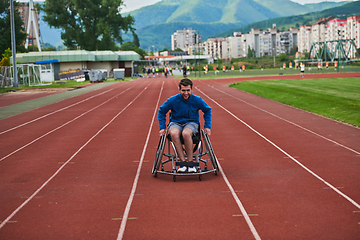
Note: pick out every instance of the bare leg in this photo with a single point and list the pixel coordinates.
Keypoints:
(188, 142)
(175, 137)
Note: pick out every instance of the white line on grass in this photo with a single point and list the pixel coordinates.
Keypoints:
(57, 172)
(281, 150)
(133, 190)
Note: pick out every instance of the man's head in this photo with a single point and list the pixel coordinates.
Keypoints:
(185, 88)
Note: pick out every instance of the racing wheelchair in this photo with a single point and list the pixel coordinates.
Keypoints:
(202, 148)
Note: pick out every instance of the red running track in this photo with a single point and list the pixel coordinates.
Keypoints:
(85, 172)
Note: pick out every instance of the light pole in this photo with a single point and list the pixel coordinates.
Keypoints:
(13, 43)
(274, 55)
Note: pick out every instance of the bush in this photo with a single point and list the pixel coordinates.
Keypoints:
(5, 62)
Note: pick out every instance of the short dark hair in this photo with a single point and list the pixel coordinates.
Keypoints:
(185, 82)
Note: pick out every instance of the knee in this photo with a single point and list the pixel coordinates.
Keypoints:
(187, 135)
(175, 135)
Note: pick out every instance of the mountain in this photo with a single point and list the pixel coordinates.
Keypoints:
(295, 21)
(156, 23)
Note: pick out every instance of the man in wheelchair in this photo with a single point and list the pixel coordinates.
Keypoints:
(184, 121)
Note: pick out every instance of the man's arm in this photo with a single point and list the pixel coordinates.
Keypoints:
(163, 110)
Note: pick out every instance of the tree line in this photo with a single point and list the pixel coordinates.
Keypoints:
(90, 25)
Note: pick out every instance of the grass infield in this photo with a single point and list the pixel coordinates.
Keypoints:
(335, 98)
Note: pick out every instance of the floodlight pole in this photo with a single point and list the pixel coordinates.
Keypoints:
(13, 43)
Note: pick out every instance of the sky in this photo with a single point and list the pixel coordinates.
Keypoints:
(135, 4)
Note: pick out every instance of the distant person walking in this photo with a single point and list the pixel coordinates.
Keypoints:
(184, 69)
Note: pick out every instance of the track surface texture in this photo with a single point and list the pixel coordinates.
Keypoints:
(80, 168)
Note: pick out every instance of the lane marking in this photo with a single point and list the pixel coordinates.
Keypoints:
(59, 110)
(133, 190)
(240, 205)
(284, 152)
(272, 114)
(61, 126)
(250, 215)
(69, 160)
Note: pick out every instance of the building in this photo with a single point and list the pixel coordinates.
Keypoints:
(81, 60)
(271, 42)
(214, 47)
(304, 43)
(330, 29)
(183, 39)
(232, 47)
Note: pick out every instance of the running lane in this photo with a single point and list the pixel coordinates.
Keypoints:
(295, 173)
(290, 174)
(75, 181)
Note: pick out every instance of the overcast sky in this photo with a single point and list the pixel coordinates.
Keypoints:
(135, 4)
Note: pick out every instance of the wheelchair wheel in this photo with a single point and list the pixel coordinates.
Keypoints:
(159, 154)
(210, 151)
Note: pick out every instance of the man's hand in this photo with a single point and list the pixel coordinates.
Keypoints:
(207, 131)
(161, 132)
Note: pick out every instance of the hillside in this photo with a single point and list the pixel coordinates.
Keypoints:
(284, 23)
(156, 23)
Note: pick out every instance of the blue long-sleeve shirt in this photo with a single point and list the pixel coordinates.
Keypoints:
(184, 111)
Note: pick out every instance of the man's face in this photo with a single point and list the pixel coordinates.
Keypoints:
(185, 91)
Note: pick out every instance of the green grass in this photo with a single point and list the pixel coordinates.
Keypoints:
(265, 72)
(335, 98)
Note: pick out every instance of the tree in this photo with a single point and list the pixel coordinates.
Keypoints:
(136, 40)
(90, 24)
(130, 46)
(5, 30)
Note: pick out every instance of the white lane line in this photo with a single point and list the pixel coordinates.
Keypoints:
(62, 166)
(292, 158)
(59, 110)
(272, 114)
(55, 129)
(241, 207)
(133, 190)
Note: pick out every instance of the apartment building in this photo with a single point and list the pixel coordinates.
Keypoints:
(232, 47)
(352, 30)
(183, 39)
(214, 47)
(270, 42)
(330, 29)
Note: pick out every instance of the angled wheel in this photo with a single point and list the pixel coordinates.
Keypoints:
(159, 153)
(210, 151)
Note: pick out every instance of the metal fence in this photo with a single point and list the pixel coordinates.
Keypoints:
(5, 76)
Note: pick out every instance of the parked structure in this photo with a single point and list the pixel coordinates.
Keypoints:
(81, 59)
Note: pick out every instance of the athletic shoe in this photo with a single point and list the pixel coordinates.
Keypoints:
(182, 169)
(192, 169)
